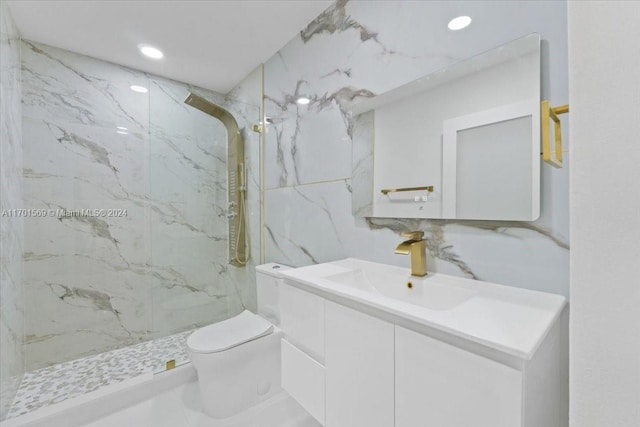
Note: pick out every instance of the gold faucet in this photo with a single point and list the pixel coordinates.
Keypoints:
(417, 247)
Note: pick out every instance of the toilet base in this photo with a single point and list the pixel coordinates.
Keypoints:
(233, 380)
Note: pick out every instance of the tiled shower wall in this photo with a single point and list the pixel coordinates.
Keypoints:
(362, 48)
(249, 92)
(11, 234)
(94, 284)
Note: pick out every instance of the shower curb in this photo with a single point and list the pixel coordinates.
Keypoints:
(78, 411)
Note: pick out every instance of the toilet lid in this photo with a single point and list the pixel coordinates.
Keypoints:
(229, 333)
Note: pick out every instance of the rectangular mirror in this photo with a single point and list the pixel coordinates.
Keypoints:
(460, 143)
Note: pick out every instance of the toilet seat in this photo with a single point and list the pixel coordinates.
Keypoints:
(229, 333)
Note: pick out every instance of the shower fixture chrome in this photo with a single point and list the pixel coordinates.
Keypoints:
(238, 246)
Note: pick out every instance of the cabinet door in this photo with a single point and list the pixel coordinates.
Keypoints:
(441, 385)
(302, 320)
(359, 369)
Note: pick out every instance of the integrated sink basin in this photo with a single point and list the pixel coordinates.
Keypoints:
(512, 320)
(391, 282)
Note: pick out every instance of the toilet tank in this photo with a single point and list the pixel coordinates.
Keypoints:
(268, 281)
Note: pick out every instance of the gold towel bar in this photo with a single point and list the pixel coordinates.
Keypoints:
(551, 113)
(428, 188)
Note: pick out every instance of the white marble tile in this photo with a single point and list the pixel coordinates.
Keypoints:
(61, 86)
(75, 319)
(312, 224)
(193, 285)
(358, 49)
(101, 283)
(86, 275)
(110, 162)
(516, 250)
(12, 372)
(305, 145)
(11, 227)
(244, 100)
(362, 165)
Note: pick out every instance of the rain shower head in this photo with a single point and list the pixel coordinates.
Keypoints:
(206, 106)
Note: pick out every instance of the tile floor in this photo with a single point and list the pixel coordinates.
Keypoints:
(181, 407)
(58, 383)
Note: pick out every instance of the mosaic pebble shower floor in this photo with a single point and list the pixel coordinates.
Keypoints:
(67, 380)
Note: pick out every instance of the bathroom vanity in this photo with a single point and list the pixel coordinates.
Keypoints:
(367, 344)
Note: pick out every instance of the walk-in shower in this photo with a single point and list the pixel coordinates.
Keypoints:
(107, 297)
(238, 247)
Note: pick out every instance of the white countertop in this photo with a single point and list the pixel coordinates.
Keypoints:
(512, 320)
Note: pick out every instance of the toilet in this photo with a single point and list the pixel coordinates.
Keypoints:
(238, 359)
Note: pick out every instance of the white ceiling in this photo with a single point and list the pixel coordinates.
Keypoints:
(209, 43)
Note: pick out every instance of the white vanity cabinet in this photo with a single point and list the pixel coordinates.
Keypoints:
(337, 362)
(437, 384)
(303, 372)
(302, 320)
(349, 367)
(359, 369)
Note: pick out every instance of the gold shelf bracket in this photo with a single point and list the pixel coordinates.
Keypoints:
(428, 188)
(548, 113)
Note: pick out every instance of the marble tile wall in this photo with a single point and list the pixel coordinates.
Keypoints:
(358, 49)
(11, 227)
(86, 138)
(191, 278)
(94, 284)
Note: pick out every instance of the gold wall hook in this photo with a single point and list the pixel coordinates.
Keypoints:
(548, 113)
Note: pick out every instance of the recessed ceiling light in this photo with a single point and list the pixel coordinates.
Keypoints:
(303, 101)
(459, 23)
(139, 89)
(121, 127)
(121, 132)
(150, 51)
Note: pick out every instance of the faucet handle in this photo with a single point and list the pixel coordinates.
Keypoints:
(415, 235)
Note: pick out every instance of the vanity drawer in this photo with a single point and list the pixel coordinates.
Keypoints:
(303, 379)
(302, 320)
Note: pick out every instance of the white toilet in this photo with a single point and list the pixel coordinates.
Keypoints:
(238, 359)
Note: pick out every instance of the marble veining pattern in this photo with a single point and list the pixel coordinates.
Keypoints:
(102, 283)
(11, 227)
(354, 48)
(362, 165)
(57, 383)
